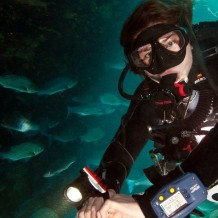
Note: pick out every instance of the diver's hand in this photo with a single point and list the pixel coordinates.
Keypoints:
(92, 205)
(120, 206)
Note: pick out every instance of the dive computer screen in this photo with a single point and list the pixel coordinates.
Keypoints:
(173, 204)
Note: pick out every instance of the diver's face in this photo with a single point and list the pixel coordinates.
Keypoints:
(162, 49)
(181, 70)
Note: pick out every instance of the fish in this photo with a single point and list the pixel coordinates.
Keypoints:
(111, 99)
(93, 135)
(22, 151)
(114, 65)
(69, 130)
(83, 98)
(138, 182)
(57, 85)
(18, 123)
(18, 83)
(58, 167)
(95, 109)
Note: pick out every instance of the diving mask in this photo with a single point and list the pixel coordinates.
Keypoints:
(159, 48)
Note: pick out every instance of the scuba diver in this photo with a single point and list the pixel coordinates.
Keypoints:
(174, 106)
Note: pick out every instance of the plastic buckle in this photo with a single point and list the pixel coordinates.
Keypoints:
(210, 52)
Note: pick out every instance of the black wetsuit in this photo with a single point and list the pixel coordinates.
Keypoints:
(173, 128)
(134, 133)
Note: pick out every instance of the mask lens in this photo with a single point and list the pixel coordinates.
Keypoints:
(142, 56)
(173, 41)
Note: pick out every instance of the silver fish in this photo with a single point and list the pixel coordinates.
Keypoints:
(57, 85)
(95, 109)
(22, 151)
(18, 123)
(57, 168)
(18, 83)
(112, 99)
(67, 131)
(93, 135)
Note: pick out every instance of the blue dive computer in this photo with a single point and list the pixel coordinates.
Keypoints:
(180, 197)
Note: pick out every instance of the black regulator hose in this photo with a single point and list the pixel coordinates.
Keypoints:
(120, 86)
(202, 110)
(196, 119)
(121, 81)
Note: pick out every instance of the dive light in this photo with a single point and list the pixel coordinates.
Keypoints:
(86, 185)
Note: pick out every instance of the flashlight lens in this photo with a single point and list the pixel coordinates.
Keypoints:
(74, 194)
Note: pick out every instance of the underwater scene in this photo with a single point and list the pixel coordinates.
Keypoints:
(60, 63)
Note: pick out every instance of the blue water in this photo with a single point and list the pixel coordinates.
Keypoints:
(67, 56)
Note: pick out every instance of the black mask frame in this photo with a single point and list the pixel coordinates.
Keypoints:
(162, 59)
